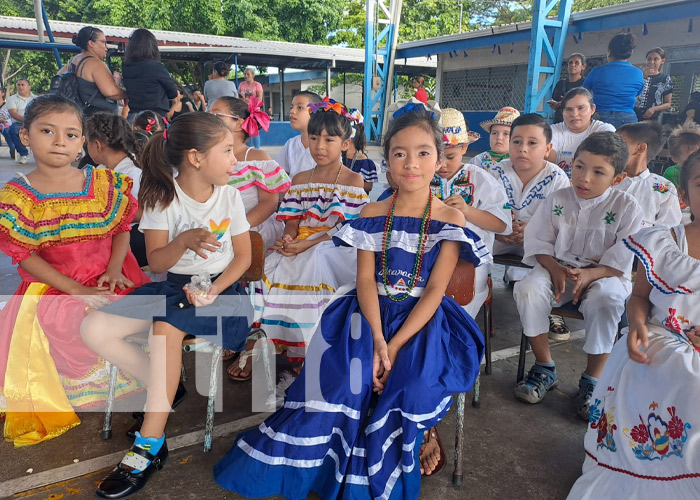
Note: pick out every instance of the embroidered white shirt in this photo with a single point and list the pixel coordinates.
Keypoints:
(581, 233)
(657, 198)
(479, 190)
(524, 200)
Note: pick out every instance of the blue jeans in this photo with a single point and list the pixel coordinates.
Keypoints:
(14, 137)
(255, 142)
(617, 118)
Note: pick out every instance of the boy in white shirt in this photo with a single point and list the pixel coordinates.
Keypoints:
(527, 178)
(472, 191)
(656, 195)
(574, 240)
(295, 156)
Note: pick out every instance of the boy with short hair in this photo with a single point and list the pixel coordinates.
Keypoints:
(526, 176)
(657, 196)
(574, 240)
(295, 156)
(472, 191)
(684, 141)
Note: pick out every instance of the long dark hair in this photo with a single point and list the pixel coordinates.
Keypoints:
(114, 132)
(165, 152)
(142, 46)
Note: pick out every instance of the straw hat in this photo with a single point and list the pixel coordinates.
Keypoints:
(505, 116)
(455, 130)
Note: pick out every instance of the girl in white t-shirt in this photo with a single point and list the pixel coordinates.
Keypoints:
(193, 224)
(579, 110)
(111, 144)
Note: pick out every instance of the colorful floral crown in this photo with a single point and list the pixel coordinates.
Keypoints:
(328, 104)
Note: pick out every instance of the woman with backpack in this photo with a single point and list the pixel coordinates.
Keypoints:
(96, 88)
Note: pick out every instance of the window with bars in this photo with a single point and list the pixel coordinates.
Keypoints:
(484, 89)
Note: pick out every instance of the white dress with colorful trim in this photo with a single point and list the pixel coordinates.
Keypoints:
(487, 159)
(479, 190)
(269, 176)
(642, 440)
(295, 290)
(656, 195)
(334, 435)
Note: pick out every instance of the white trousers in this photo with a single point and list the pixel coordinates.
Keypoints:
(602, 306)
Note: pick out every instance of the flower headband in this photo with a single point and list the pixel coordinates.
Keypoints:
(256, 119)
(328, 104)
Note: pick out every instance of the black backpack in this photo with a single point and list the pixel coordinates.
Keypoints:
(66, 84)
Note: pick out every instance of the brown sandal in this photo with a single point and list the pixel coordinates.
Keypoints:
(433, 434)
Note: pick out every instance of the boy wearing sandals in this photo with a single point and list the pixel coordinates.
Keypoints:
(574, 242)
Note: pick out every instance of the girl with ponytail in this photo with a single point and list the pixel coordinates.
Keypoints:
(195, 227)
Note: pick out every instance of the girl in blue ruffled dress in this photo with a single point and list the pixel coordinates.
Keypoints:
(385, 359)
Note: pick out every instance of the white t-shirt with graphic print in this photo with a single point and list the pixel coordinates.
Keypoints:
(223, 214)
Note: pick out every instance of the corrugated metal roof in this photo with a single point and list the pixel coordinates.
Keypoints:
(196, 45)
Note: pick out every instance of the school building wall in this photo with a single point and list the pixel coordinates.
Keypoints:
(481, 81)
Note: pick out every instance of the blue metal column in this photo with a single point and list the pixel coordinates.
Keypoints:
(383, 47)
(542, 28)
(51, 39)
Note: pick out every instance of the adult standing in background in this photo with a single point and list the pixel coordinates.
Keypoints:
(616, 85)
(250, 88)
(419, 86)
(658, 87)
(218, 85)
(16, 104)
(98, 89)
(574, 68)
(148, 83)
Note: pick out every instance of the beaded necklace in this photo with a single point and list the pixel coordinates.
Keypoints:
(386, 242)
(306, 209)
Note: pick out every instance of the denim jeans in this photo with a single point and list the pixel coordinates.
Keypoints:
(617, 118)
(255, 142)
(14, 136)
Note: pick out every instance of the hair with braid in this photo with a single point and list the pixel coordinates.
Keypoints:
(114, 132)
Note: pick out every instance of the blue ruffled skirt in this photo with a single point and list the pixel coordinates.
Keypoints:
(333, 435)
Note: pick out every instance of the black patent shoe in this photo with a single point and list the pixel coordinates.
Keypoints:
(123, 483)
(180, 396)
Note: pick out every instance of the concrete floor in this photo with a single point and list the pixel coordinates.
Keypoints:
(512, 450)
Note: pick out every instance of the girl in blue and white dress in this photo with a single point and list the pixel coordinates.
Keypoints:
(385, 359)
(643, 439)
